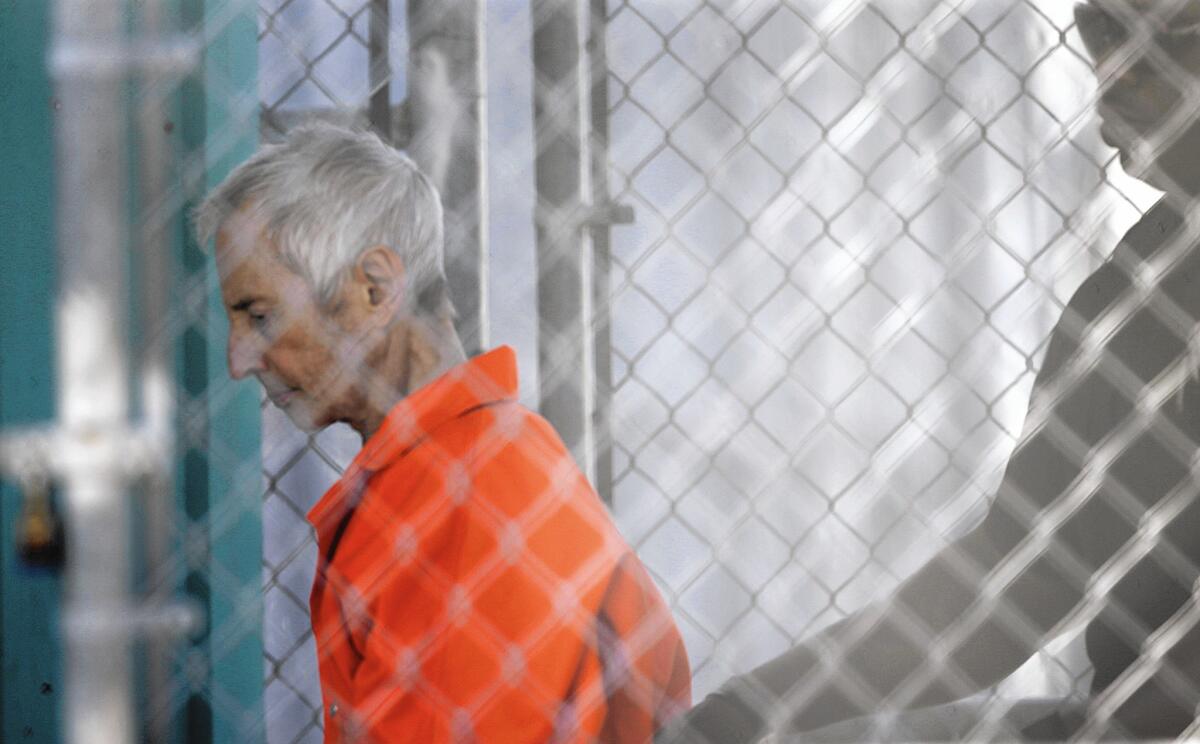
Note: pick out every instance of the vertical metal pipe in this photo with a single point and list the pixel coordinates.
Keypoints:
(379, 61)
(560, 90)
(447, 111)
(601, 252)
(93, 400)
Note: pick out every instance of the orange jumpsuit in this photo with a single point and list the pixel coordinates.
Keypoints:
(472, 587)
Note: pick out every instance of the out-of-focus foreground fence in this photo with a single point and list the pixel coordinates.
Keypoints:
(814, 252)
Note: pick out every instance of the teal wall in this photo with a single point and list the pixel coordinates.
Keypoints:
(30, 684)
(219, 476)
(224, 476)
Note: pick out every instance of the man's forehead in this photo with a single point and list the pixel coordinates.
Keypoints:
(242, 248)
(241, 234)
(249, 266)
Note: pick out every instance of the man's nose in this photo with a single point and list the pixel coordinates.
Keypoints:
(244, 355)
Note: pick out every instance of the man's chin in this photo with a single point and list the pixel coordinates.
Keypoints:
(302, 416)
(1137, 165)
(1178, 183)
(1175, 171)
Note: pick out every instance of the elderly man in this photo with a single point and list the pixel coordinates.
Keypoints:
(470, 586)
(1097, 520)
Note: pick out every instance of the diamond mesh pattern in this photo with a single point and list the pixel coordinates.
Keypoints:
(856, 225)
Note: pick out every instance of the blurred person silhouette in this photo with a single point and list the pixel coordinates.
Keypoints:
(1096, 522)
(470, 584)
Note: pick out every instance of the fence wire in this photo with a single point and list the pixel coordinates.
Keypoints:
(813, 360)
(856, 227)
(856, 224)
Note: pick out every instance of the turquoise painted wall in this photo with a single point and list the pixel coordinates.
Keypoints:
(224, 476)
(219, 479)
(30, 683)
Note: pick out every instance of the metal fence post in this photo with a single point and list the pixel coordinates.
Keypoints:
(93, 402)
(560, 87)
(447, 108)
(601, 253)
(379, 108)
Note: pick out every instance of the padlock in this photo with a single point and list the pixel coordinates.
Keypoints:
(40, 535)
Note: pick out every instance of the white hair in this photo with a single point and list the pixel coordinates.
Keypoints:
(325, 195)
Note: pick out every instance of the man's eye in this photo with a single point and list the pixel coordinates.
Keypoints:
(258, 320)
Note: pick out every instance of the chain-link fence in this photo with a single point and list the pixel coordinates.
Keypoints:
(315, 57)
(855, 227)
(782, 275)
(857, 224)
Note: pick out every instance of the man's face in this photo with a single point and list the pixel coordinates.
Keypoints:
(279, 332)
(1146, 105)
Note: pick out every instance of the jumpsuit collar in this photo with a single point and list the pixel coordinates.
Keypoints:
(488, 378)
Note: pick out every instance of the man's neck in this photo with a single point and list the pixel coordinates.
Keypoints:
(433, 349)
(417, 353)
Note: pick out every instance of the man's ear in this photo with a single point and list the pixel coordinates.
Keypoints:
(380, 274)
